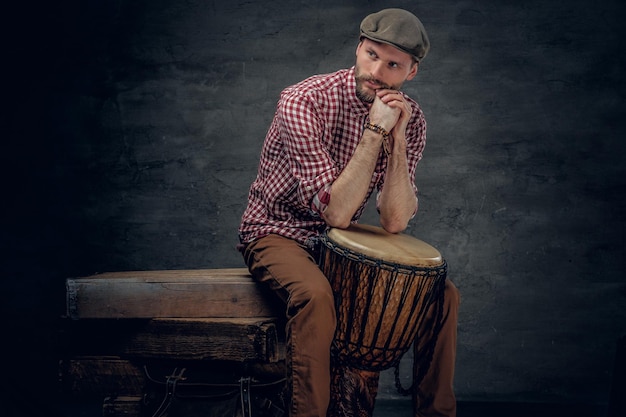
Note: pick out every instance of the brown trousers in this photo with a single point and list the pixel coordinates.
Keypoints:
(291, 271)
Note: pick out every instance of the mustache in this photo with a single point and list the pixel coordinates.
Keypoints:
(382, 85)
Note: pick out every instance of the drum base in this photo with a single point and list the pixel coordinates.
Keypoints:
(352, 392)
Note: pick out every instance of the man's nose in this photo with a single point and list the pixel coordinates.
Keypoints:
(378, 71)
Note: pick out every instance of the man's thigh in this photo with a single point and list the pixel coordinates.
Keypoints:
(285, 266)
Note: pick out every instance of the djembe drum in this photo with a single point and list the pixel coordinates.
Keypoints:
(388, 291)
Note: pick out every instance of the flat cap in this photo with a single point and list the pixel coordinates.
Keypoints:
(399, 28)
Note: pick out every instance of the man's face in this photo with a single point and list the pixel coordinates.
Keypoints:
(381, 66)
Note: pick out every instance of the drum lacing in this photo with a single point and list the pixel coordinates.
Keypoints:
(423, 355)
(429, 293)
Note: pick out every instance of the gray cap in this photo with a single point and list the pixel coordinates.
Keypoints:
(399, 28)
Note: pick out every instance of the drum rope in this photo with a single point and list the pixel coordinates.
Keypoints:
(423, 355)
(427, 294)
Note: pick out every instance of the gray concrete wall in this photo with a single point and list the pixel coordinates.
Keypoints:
(132, 131)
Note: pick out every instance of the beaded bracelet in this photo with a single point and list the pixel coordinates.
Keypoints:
(380, 130)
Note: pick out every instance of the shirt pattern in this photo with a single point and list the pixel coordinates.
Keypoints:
(315, 131)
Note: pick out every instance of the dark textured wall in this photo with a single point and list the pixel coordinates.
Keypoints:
(131, 131)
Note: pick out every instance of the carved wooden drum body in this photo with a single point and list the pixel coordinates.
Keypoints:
(388, 291)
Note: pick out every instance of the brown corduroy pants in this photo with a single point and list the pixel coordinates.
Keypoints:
(291, 272)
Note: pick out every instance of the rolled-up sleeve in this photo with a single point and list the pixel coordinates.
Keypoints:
(304, 137)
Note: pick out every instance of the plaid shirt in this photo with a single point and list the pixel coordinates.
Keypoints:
(316, 129)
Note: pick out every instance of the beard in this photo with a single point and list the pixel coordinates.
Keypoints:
(366, 94)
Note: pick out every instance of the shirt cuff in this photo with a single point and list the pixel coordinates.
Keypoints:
(320, 201)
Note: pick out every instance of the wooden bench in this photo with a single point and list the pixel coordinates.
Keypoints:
(136, 340)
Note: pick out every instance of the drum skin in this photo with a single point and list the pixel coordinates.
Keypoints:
(375, 242)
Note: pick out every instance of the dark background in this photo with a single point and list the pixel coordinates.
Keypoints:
(131, 132)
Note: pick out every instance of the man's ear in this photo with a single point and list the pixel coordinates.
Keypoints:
(358, 46)
(413, 71)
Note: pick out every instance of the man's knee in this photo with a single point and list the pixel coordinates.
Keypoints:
(451, 293)
(315, 291)
(452, 299)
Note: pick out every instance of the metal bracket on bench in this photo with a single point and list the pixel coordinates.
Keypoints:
(170, 391)
(265, 406)
(244, 390)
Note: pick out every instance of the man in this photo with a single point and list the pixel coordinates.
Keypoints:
(336, 138)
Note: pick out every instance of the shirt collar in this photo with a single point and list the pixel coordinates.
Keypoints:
(358, 106)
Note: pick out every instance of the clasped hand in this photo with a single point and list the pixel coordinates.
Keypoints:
(390, 111)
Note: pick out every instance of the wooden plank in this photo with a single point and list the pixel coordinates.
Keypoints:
(98, 376)
(123, 406)
(170, 294)
(232, 339)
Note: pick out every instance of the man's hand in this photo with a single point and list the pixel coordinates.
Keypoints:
(394, 113)
(385, 110)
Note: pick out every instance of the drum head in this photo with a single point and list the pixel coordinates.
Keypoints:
(377, 243)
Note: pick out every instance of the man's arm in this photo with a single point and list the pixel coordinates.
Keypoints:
(351, 186)
(390, 112)
(397, 202)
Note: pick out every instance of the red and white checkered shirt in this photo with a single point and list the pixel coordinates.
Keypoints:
(316, 129)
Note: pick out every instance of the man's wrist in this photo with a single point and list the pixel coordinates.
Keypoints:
(377, 128)
(381, 131)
